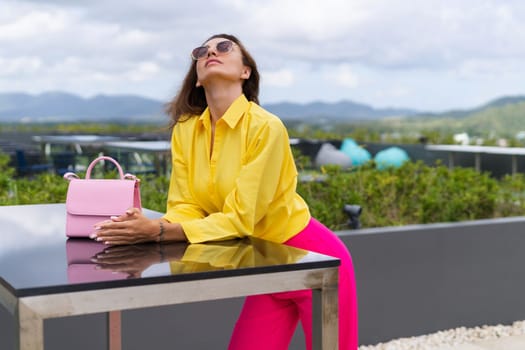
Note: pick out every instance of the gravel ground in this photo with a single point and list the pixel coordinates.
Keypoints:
(450, 337)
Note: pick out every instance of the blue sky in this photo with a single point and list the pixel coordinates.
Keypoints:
(428, 55)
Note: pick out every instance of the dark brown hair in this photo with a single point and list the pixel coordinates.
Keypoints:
(191, 100)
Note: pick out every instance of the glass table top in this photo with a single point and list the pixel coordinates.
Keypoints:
(37, 258)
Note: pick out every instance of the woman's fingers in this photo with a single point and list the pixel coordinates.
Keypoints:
(118, 237)
(125, 229)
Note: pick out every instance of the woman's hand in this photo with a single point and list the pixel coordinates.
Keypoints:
(130, 228)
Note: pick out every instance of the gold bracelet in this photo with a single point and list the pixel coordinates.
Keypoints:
(161, 233)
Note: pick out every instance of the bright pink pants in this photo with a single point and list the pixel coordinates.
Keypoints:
(268, 322)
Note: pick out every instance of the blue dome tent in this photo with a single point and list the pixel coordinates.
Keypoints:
(357, 154)
(391, 157)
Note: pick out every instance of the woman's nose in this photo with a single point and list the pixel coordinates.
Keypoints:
(212, 51)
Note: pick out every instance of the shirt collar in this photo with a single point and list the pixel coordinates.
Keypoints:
(233, 114)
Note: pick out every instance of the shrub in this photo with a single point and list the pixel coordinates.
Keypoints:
(42, 188)
(414, 193)
(511, 196)
(6, 179)
(154, 192)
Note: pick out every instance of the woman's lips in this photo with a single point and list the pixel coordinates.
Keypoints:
(208, 62)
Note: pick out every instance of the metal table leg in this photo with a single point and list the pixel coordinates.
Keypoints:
(114, 330)
(325, 314)
(30, 329)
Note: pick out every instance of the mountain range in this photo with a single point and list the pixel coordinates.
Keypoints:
(66, 107)
(503, 117)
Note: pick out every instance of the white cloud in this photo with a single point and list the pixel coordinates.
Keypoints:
(32, 24)
(369, 45)
(19, 66)
(144, 71)
(134, 37)
(474, 68)
(280, 78)
(344, 76)
(308, 20)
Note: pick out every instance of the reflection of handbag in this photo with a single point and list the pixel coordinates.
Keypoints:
(80, 268)
(90, 201)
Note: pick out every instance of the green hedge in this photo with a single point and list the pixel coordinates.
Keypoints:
(414, 193)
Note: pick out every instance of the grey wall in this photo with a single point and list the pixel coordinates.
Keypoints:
(411, 280)
(419, 279)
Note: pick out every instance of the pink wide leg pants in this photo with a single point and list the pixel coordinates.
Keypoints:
(268, 322)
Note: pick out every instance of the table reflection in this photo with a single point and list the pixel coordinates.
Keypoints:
(90, 261)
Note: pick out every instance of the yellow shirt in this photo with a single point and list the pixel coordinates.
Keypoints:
(246, 187)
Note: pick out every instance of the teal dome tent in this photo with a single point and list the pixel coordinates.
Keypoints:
(391, 157)
(357, 154)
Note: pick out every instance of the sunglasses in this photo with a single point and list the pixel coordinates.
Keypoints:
(222, 48)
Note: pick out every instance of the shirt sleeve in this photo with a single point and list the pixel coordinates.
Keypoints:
(255, 188)
(180, 205)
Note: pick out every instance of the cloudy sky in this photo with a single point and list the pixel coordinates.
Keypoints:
(428, 55)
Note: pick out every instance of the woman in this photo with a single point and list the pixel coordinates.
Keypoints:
(234, 175)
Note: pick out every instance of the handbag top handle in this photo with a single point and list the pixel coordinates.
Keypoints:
(70, 176)
(94, 162)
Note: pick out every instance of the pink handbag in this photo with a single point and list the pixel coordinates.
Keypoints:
(89, 201)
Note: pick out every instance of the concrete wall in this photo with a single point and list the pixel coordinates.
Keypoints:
(411, 280)
(414, 280)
